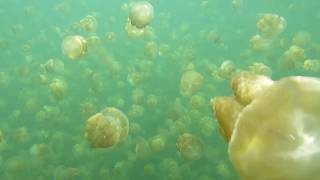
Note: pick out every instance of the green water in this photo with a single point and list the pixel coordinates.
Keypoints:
(42, 129)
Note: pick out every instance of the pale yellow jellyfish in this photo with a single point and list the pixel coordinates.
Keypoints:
(53, 66)
(107, 128)
(140, 14)
(301, 39)
(74, 47)
(151, 49)
(312, 65)
(158, 143)
(260, 69)
(276, 135)
(191, 81)
(89, 23)
(247, 86)
(189, 147)
(57, 89)
(258, 43)
(226, 110)
(271, 25)
(293, 57)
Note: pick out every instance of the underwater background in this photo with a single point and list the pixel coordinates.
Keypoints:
(162, 77)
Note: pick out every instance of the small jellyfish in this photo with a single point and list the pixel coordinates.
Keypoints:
(271, 25)
(89, 23)
(191, 81)
(74, 47)
(189, 147)
(107, 128)
(53, 66)
(57, 89)
(141, 14)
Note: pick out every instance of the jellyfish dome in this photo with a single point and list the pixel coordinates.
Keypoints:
(107, 128)
(277, 135)
(74, 47)
(141, 14)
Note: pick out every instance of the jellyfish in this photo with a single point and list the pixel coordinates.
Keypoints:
(89, 23)
(271, 25)
(191, 82)
(57, 89)
(141, 14)
(74, 47)
(189, 147)
(276, 134)
(107, 128)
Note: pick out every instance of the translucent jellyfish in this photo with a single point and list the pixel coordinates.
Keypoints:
(226, 110)
(152, 101)
(110, 36)
(107, 128)
(53, 66)
(141, 14)
(142, 149)
(57, 89)
(189, 147)
(259, 43)
(301, 39)
(312, 65)
(89, 23)
(74, 47)
(276, 135)
(226, 70)
(247, 86)
(293, 57)
(271, 25)
(151, 50)
(158, 143)
(260, 69)
(191, 81)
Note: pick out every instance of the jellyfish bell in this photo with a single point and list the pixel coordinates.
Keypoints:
(74, 47)
(191, 81)
(189, 147)
(89, 23)
(226, 110)
(246, 86)
(107, 128)
(276, 136)
(141, 14)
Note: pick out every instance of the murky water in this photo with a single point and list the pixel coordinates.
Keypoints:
(62, 62)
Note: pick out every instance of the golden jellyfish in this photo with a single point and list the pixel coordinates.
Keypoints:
(226, 70)
(226, 110)
(158, 143)
(74, 47)
(271, 25)
(259, 43)
(189, 147)
(89, 23)
(140, 14)
(53, 66)
(293, 57)
(110, 36)
(107, 128)
(191, 81)
(57, 89)
(301, 39)
(151, 50)
(260, 69)
(276, 135)
(152, 101)
(142, 149)
(312, 65)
